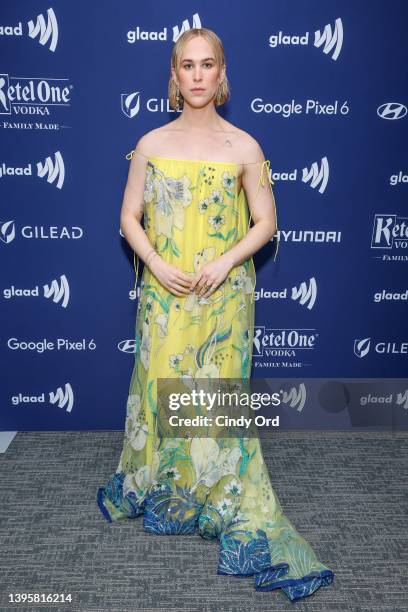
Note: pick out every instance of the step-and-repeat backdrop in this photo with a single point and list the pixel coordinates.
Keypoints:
(321, 86)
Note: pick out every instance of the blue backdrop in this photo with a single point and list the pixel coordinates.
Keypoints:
(321, 85)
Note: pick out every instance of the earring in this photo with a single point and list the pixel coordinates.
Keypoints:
(178, 100)
(218, 96)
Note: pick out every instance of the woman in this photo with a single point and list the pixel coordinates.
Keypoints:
(193, 180)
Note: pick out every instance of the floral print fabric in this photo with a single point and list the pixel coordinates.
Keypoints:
(217, 487)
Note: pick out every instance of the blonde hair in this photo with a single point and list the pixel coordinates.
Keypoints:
(223, 92)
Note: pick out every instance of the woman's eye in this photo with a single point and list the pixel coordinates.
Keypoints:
(206, 64)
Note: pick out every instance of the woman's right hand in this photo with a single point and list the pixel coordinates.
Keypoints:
(171, 277)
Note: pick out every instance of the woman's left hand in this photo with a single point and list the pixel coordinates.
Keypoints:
(212, 273)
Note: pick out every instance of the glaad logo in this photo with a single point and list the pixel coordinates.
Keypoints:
(58, 293)
(127, 346)
(295, 398)
(317, 176)
(390, 296)
(392, 110)
(54, 171)
(64, 398)
(130, 104)
(48, 31)
(390, 232)
(332, 40)
(363, 346)
(306, 294)
(401, 177)
(139, 34)
(402, 400)
(32, 95)
(177, 32)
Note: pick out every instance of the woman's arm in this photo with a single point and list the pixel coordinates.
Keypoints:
(169, 275)
(261, 202)
(132, 206)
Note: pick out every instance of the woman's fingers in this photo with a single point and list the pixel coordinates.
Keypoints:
(178, 287)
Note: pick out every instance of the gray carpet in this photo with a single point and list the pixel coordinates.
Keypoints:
(344, 491)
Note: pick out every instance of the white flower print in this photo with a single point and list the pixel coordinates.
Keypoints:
(242, 281)
(133, 404)
(175, 360)
(162, 320)
(234, 488)
(217, 196)
(145, 345)
(216, 221)
(223, 505)
(172, 474)
(228, 180)
(203, 205)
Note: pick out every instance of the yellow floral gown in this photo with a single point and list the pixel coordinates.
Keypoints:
(218, 487)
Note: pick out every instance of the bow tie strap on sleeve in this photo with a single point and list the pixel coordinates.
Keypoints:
(261, 181)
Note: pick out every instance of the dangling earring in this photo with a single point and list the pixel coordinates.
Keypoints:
(178, 100)
(218, 96)
(219, 93)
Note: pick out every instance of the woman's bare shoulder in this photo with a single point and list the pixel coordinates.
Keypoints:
(244, 143)
(250, 149)
(150, 143)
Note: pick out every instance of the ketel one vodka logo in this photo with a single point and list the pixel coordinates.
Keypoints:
(53, 170)
(269, 342)
(315, 176)
(44, 29)
(330, 39)
(390, 232)
(28, 96)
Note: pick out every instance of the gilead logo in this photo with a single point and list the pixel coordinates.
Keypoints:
(362, 347)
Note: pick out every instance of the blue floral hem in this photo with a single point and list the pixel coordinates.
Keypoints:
(239, 556)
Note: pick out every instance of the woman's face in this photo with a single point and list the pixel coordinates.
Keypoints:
(199, 75)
